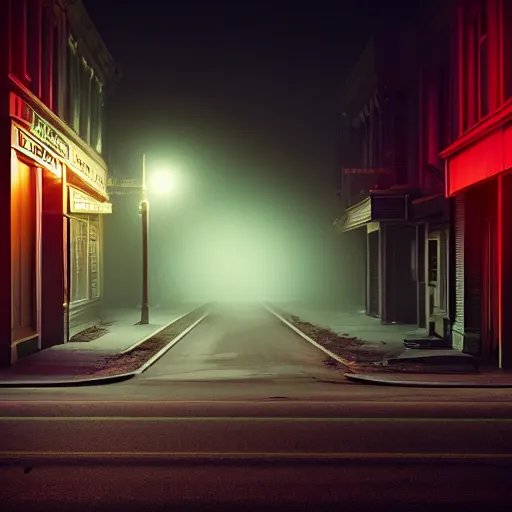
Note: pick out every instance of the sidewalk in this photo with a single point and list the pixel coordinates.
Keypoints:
(379, 355)
(75, 361)
(385, 341)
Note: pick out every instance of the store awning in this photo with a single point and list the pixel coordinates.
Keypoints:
(380, 205)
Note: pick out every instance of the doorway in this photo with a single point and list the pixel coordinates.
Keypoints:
(23, 252)
(490, 345)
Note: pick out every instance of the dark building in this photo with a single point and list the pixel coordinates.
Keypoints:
(428, 122)
(479, 178)
(392, 180)
(55, 73)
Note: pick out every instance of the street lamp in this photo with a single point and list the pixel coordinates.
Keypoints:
(144, 206)
(161, 183)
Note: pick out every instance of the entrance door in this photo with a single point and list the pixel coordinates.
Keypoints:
(23, 252)
(373, 274)
(490, 291)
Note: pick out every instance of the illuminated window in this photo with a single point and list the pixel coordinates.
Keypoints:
(84, 257)
(79, 260)
(94, 254)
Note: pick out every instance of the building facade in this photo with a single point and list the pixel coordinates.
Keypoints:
(55, 73)
(479, 179)
(457, 136)
(392, 182)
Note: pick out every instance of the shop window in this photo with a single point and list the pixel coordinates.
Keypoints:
(94, 254)
(79, 260)
(47, 43)
(73, 111)
(86, 99)
(84, 94)
(476, 57)
(400, 133)
(33, 22)
(18, 47)
(85, 258)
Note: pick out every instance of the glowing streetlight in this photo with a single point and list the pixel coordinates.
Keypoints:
(160, 183)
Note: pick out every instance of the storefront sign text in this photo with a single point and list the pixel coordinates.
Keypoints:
(30, 147)
(49, 136)
(88, 171)
(82, 203)
(50, 146)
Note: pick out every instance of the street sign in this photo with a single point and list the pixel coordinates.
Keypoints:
(124, 186)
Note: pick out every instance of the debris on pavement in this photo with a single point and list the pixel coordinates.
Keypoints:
(132, 360)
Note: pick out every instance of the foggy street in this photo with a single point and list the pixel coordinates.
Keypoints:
(241, 341)
(256, 255)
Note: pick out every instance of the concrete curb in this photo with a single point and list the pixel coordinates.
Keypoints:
(350, 365)
(152, 360)
(108, 379)
(382, 381)
(158, 331)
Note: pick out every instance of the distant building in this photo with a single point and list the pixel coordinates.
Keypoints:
(391, 177)
(55, 71)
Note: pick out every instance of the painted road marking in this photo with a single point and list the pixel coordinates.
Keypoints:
(260, 455)
(251, 419)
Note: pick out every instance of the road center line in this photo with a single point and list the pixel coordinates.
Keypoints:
(248, 419)
(257, 455)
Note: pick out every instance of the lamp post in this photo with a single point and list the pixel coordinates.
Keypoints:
(144, 205)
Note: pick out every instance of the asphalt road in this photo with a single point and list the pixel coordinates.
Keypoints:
(243, 412)
(241, 342)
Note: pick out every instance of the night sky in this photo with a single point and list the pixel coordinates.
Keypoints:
(245, 96)
(257, 84)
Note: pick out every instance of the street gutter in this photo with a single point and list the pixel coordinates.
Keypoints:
(383, 381)
(349, 364)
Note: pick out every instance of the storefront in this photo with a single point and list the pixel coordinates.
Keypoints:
(433, 242)
(479, 177)
(58, 197)
(389, 253)
(85, 259)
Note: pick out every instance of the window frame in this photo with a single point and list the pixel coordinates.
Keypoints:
(88, 220)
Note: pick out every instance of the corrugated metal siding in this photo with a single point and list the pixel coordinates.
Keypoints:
(358, 215)
(459, 224)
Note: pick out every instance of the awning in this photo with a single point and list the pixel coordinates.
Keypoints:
(381, 205)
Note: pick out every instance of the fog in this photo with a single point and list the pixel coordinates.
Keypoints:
(231, 234)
